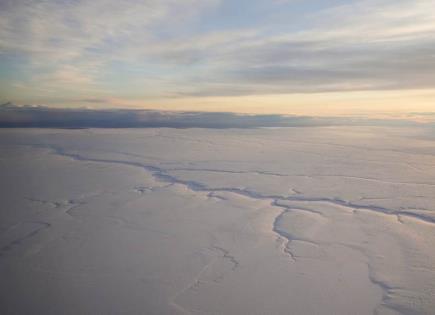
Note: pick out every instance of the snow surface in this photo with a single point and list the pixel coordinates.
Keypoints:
(310, 220)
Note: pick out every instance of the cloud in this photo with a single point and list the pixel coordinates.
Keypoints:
(70, 42)
(369, 45)
(12, 116)
(144, 49)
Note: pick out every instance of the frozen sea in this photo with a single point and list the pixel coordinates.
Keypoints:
(303, 220)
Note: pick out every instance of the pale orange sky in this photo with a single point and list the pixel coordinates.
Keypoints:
(381, 104)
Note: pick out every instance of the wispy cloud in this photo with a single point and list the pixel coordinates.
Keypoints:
(149, 48)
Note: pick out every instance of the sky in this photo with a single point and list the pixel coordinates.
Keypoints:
(252, 56)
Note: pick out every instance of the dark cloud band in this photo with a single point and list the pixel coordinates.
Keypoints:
(44, 117)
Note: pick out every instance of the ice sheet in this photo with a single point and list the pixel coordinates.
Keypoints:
(321, 220)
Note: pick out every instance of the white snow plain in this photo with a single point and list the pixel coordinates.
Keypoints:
(309, 220)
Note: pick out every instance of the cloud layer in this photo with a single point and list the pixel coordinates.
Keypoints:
(12, 116)
(152, 49)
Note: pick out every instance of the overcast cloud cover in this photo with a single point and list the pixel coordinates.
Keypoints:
(93, 51)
